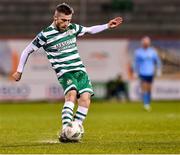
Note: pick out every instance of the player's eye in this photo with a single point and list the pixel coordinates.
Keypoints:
(65, 20)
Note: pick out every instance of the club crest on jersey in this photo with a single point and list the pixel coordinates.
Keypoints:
(69, 32)
(69, 82)
(149, 56)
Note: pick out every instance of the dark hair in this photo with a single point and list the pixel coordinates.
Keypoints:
(64, 8)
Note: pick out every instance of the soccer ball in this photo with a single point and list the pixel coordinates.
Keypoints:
(74, 131)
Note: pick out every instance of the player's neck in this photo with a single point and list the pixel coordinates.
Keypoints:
(57, 28)
(145, 47)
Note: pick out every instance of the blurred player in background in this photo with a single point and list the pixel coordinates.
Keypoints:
(59, 42)
(147, 64)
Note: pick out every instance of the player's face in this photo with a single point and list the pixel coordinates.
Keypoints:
(62, 21)
(146, 42)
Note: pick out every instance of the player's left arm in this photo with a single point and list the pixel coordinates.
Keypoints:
(158, 65)
(99, 28)
(136, 64)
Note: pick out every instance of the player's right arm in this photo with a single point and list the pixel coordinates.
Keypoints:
(38, 42)
(24, 56)
(136, 65)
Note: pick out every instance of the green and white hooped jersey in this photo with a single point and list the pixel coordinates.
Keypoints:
(61, 48)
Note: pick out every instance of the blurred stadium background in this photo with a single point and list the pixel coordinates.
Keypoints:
(106, 56)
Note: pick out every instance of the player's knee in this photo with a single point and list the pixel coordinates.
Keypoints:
(71, 96)
(85, 100)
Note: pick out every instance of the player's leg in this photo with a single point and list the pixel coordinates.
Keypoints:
(146, 94)
(67, 111)
(83, 106)
(69, 85)
(145, 91)
(85, 92)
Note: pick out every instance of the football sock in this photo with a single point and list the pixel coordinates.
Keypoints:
(146, 98)
(67, 113)
(81, 114)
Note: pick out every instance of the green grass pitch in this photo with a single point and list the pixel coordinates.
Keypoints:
(109, 128)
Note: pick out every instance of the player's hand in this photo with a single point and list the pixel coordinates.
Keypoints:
(17, 76)
(158, 73)
(115, 22)
(135, 75)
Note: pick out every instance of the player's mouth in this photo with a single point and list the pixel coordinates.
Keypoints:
(64, 27)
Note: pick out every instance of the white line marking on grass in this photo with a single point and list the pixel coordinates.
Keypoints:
(171, 115)
(49, 141)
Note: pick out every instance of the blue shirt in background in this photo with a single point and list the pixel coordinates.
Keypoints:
(146, 61)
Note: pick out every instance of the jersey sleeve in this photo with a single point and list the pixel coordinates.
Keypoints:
(81, 30)
(39, 41)
(24, 56)
(136, 62)
(157, 60)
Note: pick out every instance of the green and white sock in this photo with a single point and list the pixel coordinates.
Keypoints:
(81, 114)
(67, 113)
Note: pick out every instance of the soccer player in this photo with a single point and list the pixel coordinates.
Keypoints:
(147, 64)
(59, 42)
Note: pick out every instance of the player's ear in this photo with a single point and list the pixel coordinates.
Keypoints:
(55, 18)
